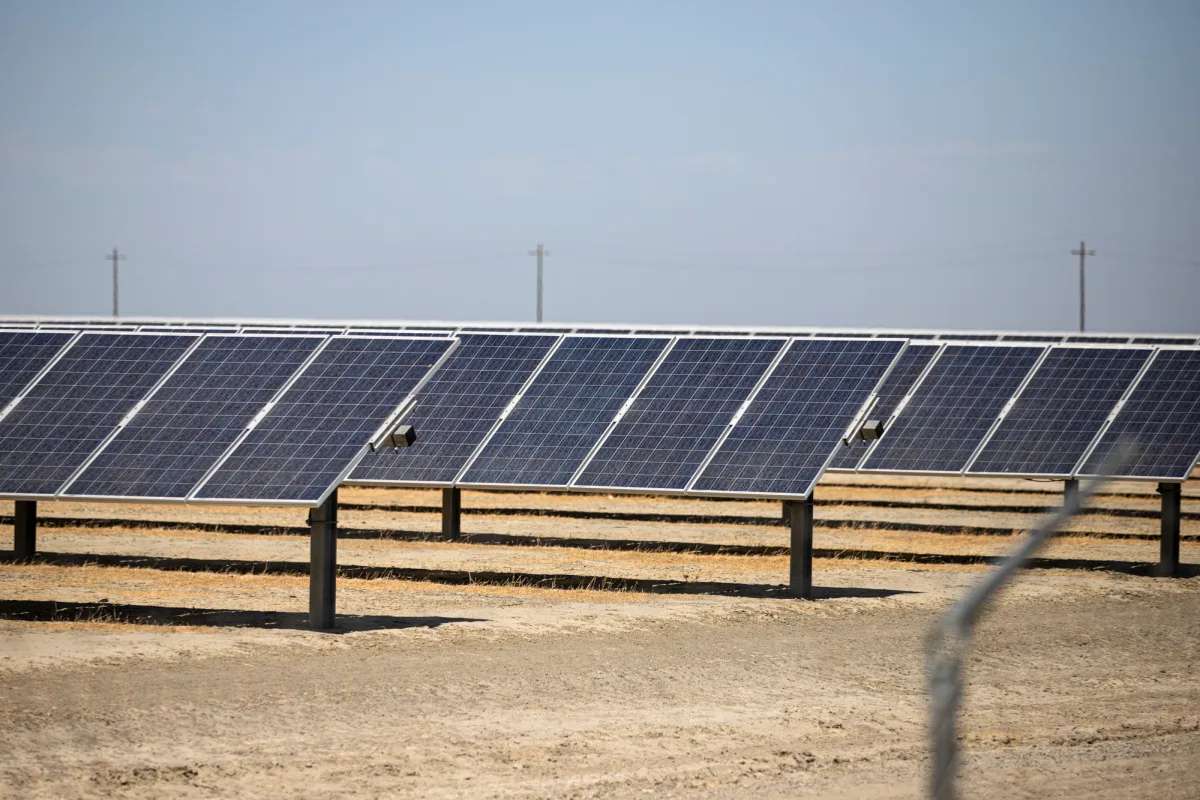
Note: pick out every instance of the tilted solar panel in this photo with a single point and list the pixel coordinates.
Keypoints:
(952, 410)
(1162, 417)
(303, 446)
(684, 408)
(193, 418)
(896, 385)
(458, 406)
(566, 408)
(79, 402)
(782, 442)
(23, 354)
(1060, 411)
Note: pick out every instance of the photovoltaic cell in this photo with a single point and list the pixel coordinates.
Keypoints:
(568, 406)
(193, 418)
(1098, 339)
(953, 408)
(896, 385)
(458, 406)
(781, 444)
(681, 412)
(1163, 340)
(1162, 417)
(1061, 410)
(23, 354)
(78, 403)
(324, 419)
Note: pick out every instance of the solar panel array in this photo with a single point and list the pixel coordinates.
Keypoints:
(952, 408)
(1060, 411)
(211, 411)
(312, 435)
(22, 356)
(899, 382)
(78, 403)
(788, 433)
(566, 408)
(458, 407)
(193, 418)
(1162, 415)
(680, 414)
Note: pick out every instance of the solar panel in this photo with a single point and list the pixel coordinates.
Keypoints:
(564, 411)
(1163, 340)
(1098, 339)
(680, 414)
(1162, 416)
(782, 442)
(458, 406)
(193, 418)
(1026, 337)
(953, 408)
(23, 354)
(896, 385)
(968, 337)
(1060, 411)
(304, 445)
(77, 403)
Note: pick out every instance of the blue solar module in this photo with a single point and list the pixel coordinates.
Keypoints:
(564, 411)
(1164, 340)
(680, 413)
(953, 408)
(23, 354)
(323, 421)
(1060, 411)
(79, 402)
(1162, 417)
(898, 383)
(784, 439)
(457, 408)
(194, 416)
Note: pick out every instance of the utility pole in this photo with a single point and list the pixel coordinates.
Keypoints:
(540, 252)
(115, 256)
(1083, 253)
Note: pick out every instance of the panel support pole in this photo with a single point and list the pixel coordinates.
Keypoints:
(1168, 543)
(1070, 490)
(25, 528)
(451, 513)
(322, 570)
(800, 518)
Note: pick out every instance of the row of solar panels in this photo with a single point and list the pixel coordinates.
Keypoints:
(285, 417)
(438, 328)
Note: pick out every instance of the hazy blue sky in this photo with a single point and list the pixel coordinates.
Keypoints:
(781, 163)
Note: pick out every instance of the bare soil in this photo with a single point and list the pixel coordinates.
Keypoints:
(162, 650)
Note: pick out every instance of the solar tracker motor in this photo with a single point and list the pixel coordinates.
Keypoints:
(871, 429)
(400, 436)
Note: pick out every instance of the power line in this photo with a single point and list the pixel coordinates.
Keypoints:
(1083, 253)
(115, 257)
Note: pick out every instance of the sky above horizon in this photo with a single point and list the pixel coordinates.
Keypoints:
(773, 164)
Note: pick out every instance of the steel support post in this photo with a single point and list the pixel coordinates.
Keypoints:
(25, 528)
(1168, 543)
(1070, 490)
(800, 515)
(322, 570)
(451, 513)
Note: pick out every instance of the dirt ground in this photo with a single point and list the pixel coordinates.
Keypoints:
(595, 646)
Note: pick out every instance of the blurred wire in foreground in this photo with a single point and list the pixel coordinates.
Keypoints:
(951, 635)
